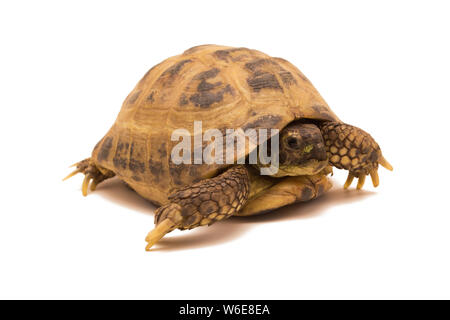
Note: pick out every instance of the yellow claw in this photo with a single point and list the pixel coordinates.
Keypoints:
(93, 185)
(375, 178)
(160, 231)
(72, 174)
(385, 163)
(361, 180)
(349, 180)
(85, 185)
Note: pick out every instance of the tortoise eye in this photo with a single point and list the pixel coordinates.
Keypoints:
(293, 142)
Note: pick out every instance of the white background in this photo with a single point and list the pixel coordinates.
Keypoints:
(65, 69)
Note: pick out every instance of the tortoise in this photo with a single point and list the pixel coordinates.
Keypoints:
(227, 88)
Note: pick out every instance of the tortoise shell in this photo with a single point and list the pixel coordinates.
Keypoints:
(225, 88)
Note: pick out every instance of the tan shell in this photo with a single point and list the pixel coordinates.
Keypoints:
(225, 88)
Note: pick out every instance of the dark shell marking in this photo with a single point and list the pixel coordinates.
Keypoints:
(132, 99)
(207, 74)
(287, 78)
(262, 80)
(205, 99)
(175, 69)
(170, 74)
(208, 93)
(156, 168)
(222, 54)
(226, 54)
(104, 151)
(323, 112)
(262, 77)
(120, 159)
(137, 151)
(151, 97)
(256, 64)
(183, 100)
(266, 121)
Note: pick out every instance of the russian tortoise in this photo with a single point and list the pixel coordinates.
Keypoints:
(226, 88)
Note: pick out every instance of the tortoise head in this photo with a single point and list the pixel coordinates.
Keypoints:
(302, 150)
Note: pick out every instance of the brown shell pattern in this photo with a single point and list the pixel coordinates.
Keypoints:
(225, 88)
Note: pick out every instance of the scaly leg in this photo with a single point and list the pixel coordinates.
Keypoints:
(353, 149)
(202, 203)
(92, 173)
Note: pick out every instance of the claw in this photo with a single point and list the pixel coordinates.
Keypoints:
(72, 174)
(385, 163)
(349, 180)
(361, 180)
(74, 165)
(328, 170)
(160, 231)
(374, 176)
(84, 188)
(93, 185)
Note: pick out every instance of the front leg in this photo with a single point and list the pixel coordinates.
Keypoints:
(353, 149)
(202, 203)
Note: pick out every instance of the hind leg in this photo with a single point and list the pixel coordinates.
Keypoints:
(94, 174)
